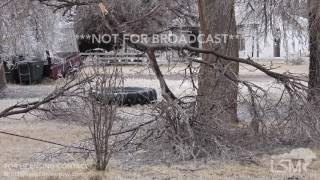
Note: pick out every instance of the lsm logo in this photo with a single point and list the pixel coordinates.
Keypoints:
(295, 162)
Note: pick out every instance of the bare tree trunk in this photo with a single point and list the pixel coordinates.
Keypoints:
(217, 94)
(314, 69)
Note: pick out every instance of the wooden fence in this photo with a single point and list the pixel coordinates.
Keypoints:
(120, 58)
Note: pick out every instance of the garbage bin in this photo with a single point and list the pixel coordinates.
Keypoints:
(10, 73)
(36, 70)
(9, 77)
(30, 71)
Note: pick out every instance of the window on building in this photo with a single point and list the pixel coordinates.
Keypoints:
(242, 44)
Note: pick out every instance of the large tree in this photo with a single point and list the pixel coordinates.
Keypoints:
(217, 93)
(314, 74)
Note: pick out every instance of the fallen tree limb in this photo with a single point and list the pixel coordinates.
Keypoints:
(150, 49)
(166, 92)
(27, 107)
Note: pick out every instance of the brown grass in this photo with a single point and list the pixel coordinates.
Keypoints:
(16, 150)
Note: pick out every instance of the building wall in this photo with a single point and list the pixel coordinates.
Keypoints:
(292, 30)
(255, 44)
(260, 47)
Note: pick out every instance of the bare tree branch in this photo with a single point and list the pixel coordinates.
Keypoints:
(44, 141)
(27, 107)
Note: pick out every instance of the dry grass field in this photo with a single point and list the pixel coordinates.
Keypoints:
(16, 151)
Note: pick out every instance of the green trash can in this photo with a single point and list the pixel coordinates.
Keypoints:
(30, 71)
(10, 74)
(9, 77)
(37, 68)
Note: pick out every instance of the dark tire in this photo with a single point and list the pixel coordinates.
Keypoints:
(129, 96)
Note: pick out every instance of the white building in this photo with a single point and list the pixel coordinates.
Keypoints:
(283, 41)
(260, 46)
(286, 43)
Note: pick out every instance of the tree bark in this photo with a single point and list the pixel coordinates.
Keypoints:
(314, 69)
(217, 94)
